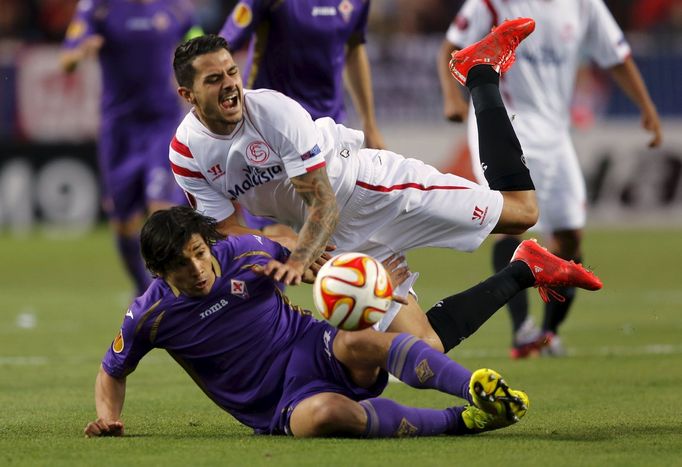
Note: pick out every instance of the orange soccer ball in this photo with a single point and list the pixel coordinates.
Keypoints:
(352, 291)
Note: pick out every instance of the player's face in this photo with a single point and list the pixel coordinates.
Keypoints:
(194, 275)
(217, 91)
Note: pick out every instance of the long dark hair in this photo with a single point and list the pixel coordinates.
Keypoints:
(186, 52)
(167, 232)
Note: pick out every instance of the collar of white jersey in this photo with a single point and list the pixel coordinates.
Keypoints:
(199, 126)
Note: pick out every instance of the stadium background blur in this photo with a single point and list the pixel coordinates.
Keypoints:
(48, 120)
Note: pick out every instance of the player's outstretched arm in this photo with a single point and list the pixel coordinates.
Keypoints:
(455, 107)
(69, 59)
(316, 191)
(358, 79)
(630, 80)
(109, 397)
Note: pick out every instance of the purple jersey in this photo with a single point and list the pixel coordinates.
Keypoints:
(140, 38)
(299, 47)
(235, 343)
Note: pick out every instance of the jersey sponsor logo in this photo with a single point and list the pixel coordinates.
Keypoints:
(312, 153)
(238, 288)
(216, 307)
(461, 22)
(479, 215)
(118, 344)
(258, 152)
(242, 15)
(129, 314)
(323, 11)
(216, 171)
(254, 177)
(346, 9)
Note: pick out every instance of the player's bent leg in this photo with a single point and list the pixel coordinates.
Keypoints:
(520, 212)
(328, 414)
(412, 320)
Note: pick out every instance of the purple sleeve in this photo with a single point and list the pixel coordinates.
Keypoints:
(361, 28)
(128, 347)
(243, 21)
(82, 25)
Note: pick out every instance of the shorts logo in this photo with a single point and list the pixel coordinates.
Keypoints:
(118, 344)
(327, 337)
(479, 215)
(129, 314)
(345, 153)
(258, 152)
(346, 9)
(242, 15)
(216, 171)
(238, 288)
(312, 153)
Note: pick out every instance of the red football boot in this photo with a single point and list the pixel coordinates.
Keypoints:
(551, 271)
(496, 49)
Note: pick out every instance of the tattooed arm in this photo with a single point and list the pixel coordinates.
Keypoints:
(316, 191)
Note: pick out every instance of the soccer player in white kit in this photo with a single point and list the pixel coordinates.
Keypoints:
(537, 92)
(262, 149)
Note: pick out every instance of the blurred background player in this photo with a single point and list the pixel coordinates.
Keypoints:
(537, 93)
(305, 49)
(134, 41)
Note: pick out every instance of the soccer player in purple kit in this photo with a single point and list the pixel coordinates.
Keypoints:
(134, 41)
(273, 366)
(303, 49)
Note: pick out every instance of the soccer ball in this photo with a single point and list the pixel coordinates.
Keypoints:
(352, 291)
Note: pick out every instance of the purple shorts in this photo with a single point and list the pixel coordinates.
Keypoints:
(134, 167)
(312, 369)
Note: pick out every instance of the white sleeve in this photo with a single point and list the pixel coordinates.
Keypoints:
(604, 41)
(200, 194)
(473, 21)
(289, 130)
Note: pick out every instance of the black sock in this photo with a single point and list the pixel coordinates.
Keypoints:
(518, 304)
(556, 311)
(498, 147)
(459, 316)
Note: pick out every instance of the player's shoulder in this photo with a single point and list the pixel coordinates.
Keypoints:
(190, 138)
(267, 105)
(156, 298)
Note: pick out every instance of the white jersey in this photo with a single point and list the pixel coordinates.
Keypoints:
(386, 203)
(537, 90)
(277, 140)
(539, 86)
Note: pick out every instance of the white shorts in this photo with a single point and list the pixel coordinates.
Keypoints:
(556, 174)
(399, 204)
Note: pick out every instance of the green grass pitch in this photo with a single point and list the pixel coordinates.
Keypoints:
(615, 400)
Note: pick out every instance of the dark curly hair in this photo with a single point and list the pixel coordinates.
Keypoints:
(167, 232)
(186, 52)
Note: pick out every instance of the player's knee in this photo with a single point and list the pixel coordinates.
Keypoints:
(331, 415)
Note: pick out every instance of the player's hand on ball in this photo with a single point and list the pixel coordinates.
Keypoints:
(102, 427)
(398, 271)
